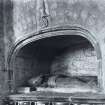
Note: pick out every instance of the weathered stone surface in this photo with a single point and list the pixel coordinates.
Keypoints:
(83, 13)
(3, 75)
(77, 60)
(22, 17)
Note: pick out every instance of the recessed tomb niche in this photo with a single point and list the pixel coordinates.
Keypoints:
(65, 63)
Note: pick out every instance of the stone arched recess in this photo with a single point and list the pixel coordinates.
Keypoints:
(51, 32)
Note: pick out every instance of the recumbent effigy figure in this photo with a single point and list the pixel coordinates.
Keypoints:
(72, 71)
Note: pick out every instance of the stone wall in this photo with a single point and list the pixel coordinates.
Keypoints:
(20, 19)
(3, 72)
(82, 13)
(77, 60)
(27, 15)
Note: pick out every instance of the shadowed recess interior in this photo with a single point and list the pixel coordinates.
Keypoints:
(70, 55)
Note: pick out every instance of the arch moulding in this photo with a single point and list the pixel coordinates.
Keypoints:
(51, 32)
